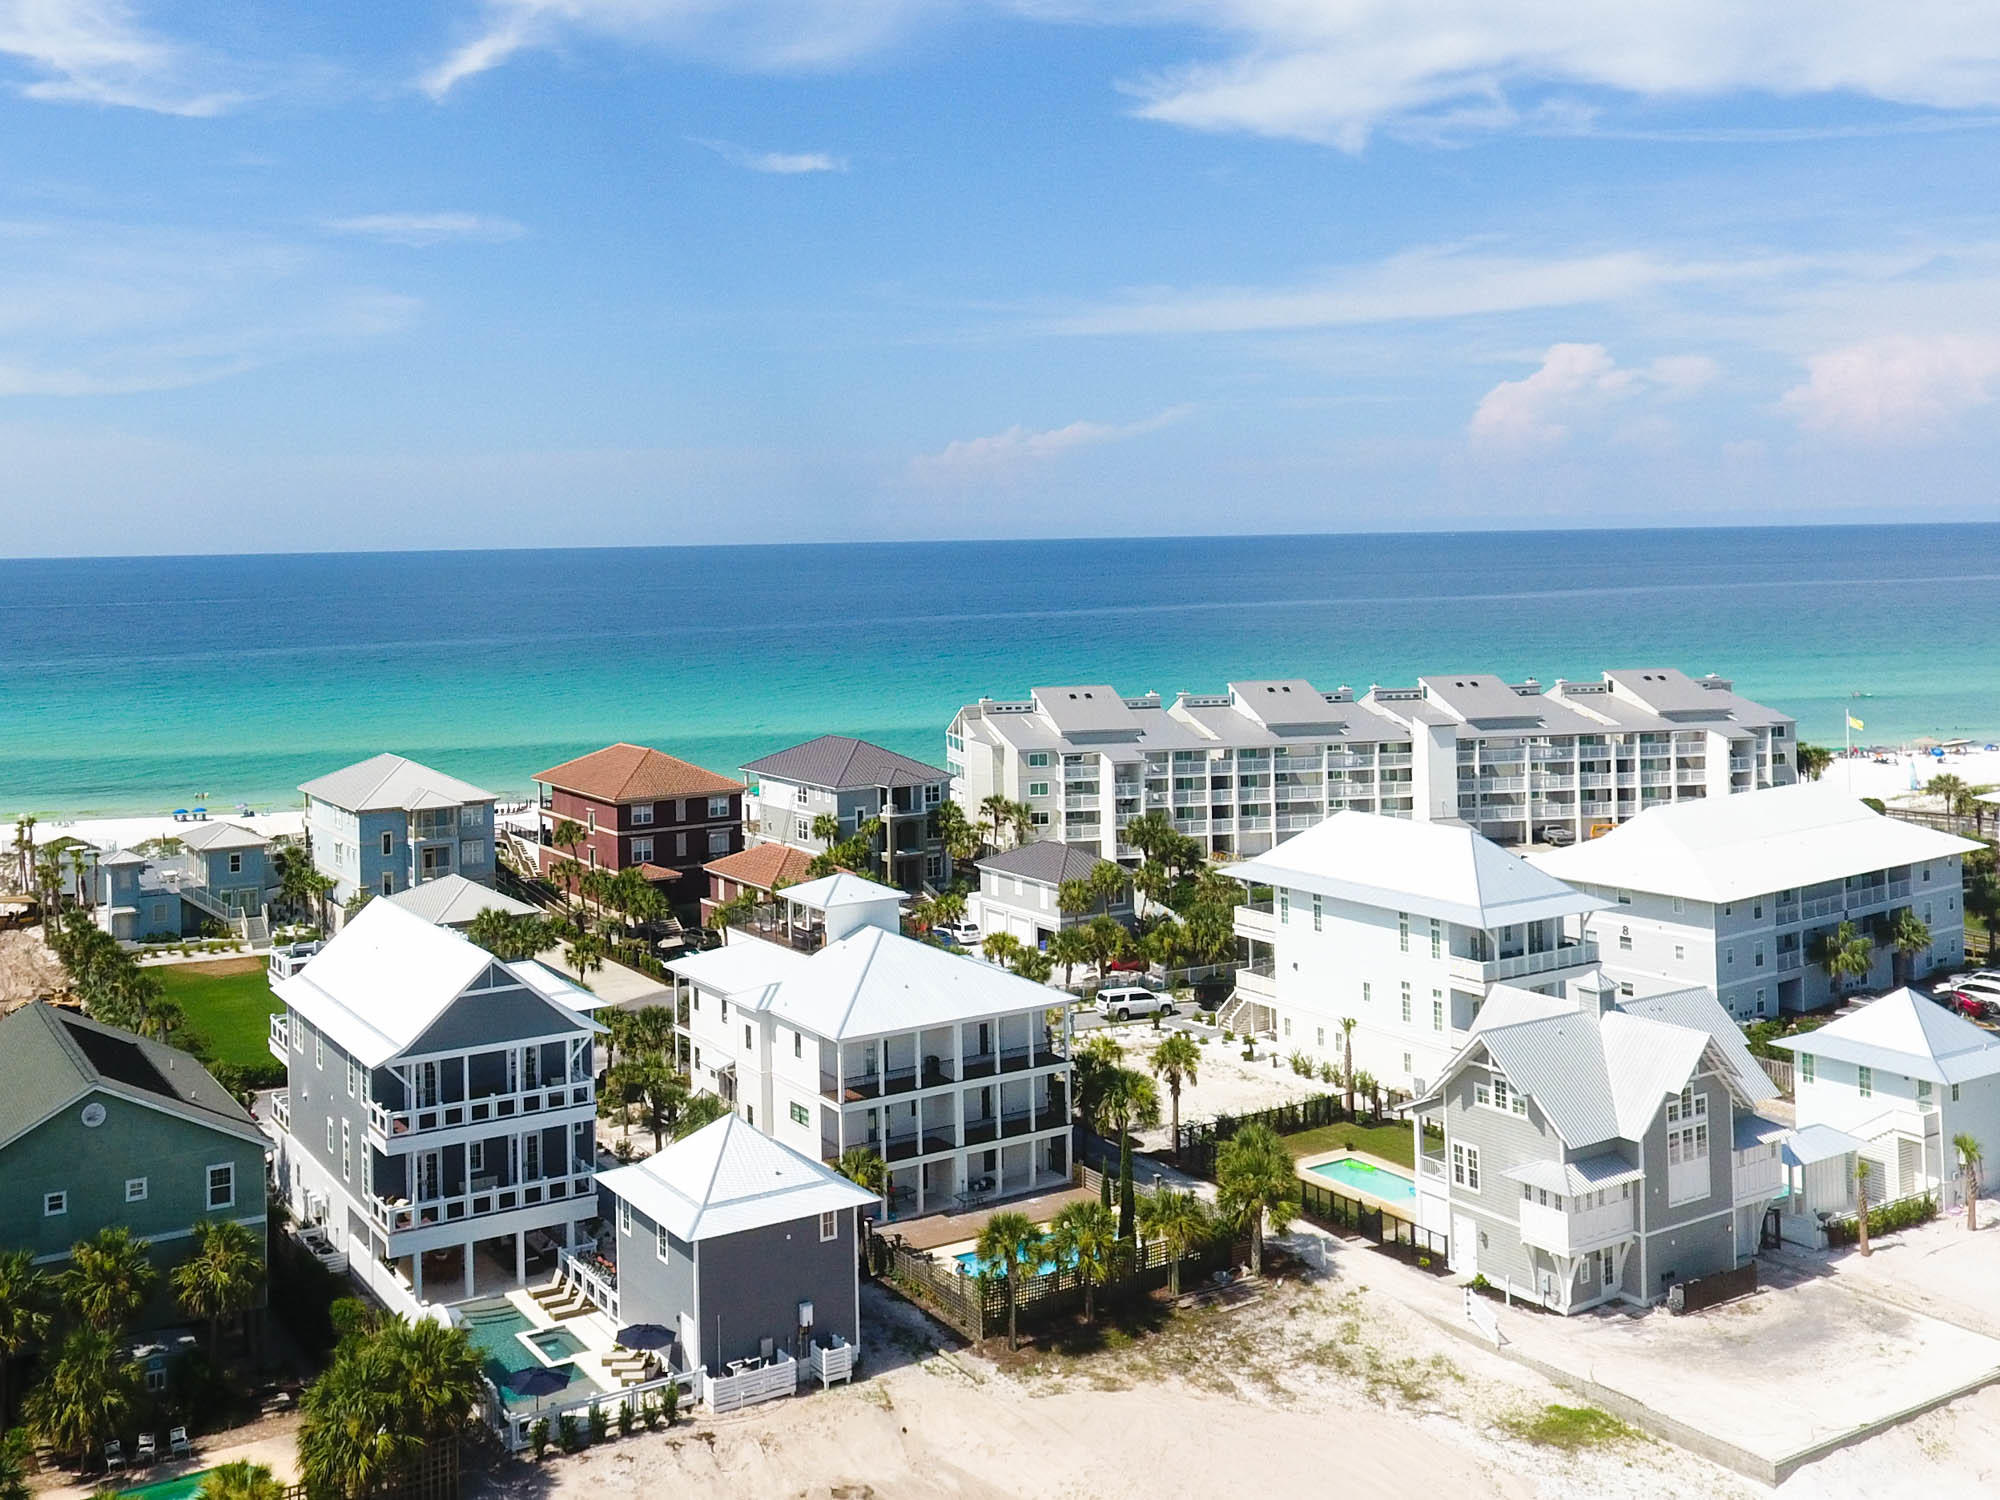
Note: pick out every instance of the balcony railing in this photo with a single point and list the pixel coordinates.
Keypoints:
(1491, 971)
(281, 1109)
(1257, 978)
(1758, 1178)
(280, 1037)
(1568, 1233)
(286, 961)
(395, 1124)
(396, 1215)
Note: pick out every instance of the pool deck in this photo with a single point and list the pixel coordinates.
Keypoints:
(938, 1232)
(593, 1330)
(1403, 1208)
(271, 1441)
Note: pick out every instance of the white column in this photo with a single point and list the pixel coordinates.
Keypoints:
(468, 1270)
(521, 1256)
(417, 1273)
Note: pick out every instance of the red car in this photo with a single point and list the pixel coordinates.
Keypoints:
(1972, 1007)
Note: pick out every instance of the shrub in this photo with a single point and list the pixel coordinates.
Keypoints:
(624, 1418)
(1301, 1064)
(670, 1402)
(1570, 1428)
(538, 1434)
(567, 1434)
(649, 1413)
(1479, 1282)
(600, 1423)
(1329, 1072)
(1904, 1213)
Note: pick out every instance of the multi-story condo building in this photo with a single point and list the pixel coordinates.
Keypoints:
(642, 809)
(1241, 769)
(387, 823)
(1736, 896)
(221, 873)
(439, 1114)
(852, 781)
(1403, 928)
(841, 1032)
(1594, 1150)
(1020, 891)
(100, 1128)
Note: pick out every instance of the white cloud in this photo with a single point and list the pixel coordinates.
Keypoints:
(96, 52)
(1018, 446)
(1895, 388)
(418, 230)
(779, 163)
(1575, 382)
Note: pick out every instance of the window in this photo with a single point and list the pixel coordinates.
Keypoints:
(388, 844)
(298, 1026)
(329, 1137)
(1482, 1094)
(624, 1217)
(1288, 1032)
(222, 1185)
(1038, 789)
(1625, 989)
(353, 1078)
(319, 1050)
(1038, 757)
(1954, 1093)
(1437, 938)
(1729, 958)
(749, 1114)
(1367, 992)
(1038, 819)
(718, 841)
(642, 814)
(800, 1116)
(1502, 1096)
(135, 1190)
(388, 884)
(1437, 1010)
(718, 807)
(54, 1205)
(1465, 1165)
(1319, 912)
(933, 794)
(798, 1044)
(829, 1224)
(471, 852)
(1923, 1089)
(236, 864)
(1403, 934)
(642, 851)
(1680, 952)
(346, 1157)
(1624, 898)
(470, 817)
(746, 1038)
(1757, 911)
(475, 1157)
(1864, 1078)
(1680, 904)
(1319, 1036)
(1406, 1000)
(1687, 1144)
(1805, 1067)
(1687, 1105)
(590, 820)
(1284, 906)
(1625, 940)
(662, 1242)
(801, 829)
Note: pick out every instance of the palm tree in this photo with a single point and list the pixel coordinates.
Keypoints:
(1845, 953)
(1177, 1060)
(1032, 963)
(584, 953)
(733, 912)
(1075, 897)
(1909, 935)
(1369, 1087)
(389, 1391)
(507, 936)
(1106, 942)
(700, 1110)
(1007, 1241)
(241, 1480)
(26, 1300)
(1179, 1221)
(1254, 1177)
(861, 1166)
(109, 1278)
(1861, 1203)
(1092, 1061)
(1126, 1101)
(219, 1280)
(948, 909)
(86, 1395)
(999, 947)
(437, 1373)
(995, 812)
(649, 1082)
(1812, 760)
(1069, 947)
(826, 828)
(1086, 1235)
(1966, 1145)
(569, 836)
(1949, 790)
(1107, 882)
(957, 833)
(1347, 1065)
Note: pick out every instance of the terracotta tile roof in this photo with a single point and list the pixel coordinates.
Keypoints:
(761, 864)
(657, 873)
(635, 773)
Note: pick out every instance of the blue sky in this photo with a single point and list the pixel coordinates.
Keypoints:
(508, 272)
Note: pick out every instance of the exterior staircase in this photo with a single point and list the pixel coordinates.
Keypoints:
(1248, 1014)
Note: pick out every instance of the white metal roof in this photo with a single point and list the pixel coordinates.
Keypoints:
(728, 1177)
(386, 781)
(452, 901)
(1904, 1033)
(1576, 1178)
(842, 888)
(872, 983)
(1811, 1143)
(1751, 844)
(566, 992)
(222, 834)
(1439, 870)
(741, 966)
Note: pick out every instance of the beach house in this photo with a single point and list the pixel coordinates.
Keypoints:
(1888, 1087)
(852, 782)
(387, 823)
(756, 871)
(453, 901)
(834, 1031)
(100, 1128)
(217, 872)
(438, 1122)
(636, 808)
(1402, 929)
(1582, 1149)
(746, 1249)
(1020, 890)
(1740, 896)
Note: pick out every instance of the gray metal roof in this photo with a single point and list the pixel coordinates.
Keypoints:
(1700, 1009)
(839, 763)
(1049, 861)
(452, 901)
(1088, 708)
(385, 782)
(222, 835)
(1575, 1178)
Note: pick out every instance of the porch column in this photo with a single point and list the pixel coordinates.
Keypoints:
(417, 1274)
(521, 1256)
(469, 1257)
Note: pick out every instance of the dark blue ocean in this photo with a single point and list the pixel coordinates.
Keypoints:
(131, 684)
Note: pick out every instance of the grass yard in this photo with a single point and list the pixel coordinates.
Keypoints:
(229, 1003)
(1391, 1142)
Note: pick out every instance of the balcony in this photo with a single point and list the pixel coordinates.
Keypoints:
(1258, 978)
(1393, 758)
(1759, 1173)
(1503, 783)
(286, 961)
(1498, 970)
(388, 1125)
(399, 1215)
(281, 1109)
(908, 1147)
(1563, 1232)
(280, 1038)
(1257, 923)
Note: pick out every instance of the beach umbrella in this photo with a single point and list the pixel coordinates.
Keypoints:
(645, 1336)
(536, 1381)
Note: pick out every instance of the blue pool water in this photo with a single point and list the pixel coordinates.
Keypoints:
(495, 1328)
(1362, 1177)
(970, 1263)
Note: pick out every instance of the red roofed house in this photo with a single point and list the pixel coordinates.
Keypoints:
(755, 871)
(642, 808)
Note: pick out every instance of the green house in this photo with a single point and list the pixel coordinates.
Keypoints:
(100, 1127)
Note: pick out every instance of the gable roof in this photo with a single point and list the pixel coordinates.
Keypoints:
(872, 982)
(1047, 860)
(51, 1058)
(1087, 708)
(762, 865)
(635, 773)
(839, 763)
(388, 975)
(741, 967)
(729, 1177)
(391, 782)
(452, 901)
(1904, 1033)
(1751, 844)
(222, 835)
(840, 889)
(1442, 870)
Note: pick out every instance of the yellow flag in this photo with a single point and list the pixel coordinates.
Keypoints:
(1854, 723)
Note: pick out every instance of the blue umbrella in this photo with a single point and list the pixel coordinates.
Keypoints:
(536, 1381)
(645, 1336)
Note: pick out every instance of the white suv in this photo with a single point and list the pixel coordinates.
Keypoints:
(1127, 1001)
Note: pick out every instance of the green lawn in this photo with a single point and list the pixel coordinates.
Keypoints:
(1391, 1142)
(229, 1003)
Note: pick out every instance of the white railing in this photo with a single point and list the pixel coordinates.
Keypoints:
(1825, 906)
(1503, 783)
(1393, 758)
(288, 960)
(1431, 1166)
(1567, 1233)
(394, 1124)
(1250, 982)
(599, 1289)
(1899, 890)
(514, 1426)
(749, 1386)
(1258, 924)
(1757, 1178)
(279, 1039)
(1562, 956)
(397, 1216)
(281, 1109)
(828, 1365)
(1656, 778)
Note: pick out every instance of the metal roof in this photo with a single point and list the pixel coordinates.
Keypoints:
(838, 763)
(841, 889)
(729, 1177)
(1089, 708)
(1904, 1033)
(222, 835)
(1049, 861)
(1813, 1143)
(1590, 1174)
(452, 901)
(391, 782)
(873, 983)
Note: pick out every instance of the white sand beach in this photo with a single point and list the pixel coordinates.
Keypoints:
(110, 834)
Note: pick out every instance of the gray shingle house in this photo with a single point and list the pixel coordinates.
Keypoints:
(1018, 891)
(854, 781)
(99, 1127)
(1597, 1149)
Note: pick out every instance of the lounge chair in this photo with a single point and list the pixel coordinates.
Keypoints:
(178, 1444)
(114, 1455)
(148, 1452)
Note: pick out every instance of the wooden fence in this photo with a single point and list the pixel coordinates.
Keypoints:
(434, 1476)
(1708, 1291)
(1779, 1072)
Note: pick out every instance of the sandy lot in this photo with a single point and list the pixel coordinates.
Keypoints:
(28, 970)
(1939, 1268)
(1226, 1084)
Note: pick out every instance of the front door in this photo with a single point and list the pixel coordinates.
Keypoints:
(427, 1085)
(429, 1176)
(1464, 1245)
(531, 1158)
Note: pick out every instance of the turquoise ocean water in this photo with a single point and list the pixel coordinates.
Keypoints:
(131, 684)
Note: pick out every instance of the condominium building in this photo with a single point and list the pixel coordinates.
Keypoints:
(1402, 928)
(638, 809)
(1581, 1149)
(439, 1114)
(1735, 896)
(841, 1033)
(852, 781)
(1240, 769)
(387, 823)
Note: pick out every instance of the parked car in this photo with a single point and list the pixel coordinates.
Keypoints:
(1975, 1007)
(965, 934)
(1123, 1002)
(1558, 835)
(1985, 989)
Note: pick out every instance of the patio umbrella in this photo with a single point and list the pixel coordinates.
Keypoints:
(536, 1381)
(645, 1336)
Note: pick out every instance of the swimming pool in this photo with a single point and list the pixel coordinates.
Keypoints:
(496, 1330)
(970, 1264)
(182, 1487)
(1380, 1183)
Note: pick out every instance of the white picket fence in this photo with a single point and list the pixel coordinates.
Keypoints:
(726, 1393)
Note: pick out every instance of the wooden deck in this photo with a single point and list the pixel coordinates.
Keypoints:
(933, 1230)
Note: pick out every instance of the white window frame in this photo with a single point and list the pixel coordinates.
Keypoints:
(642, 851)
(346, 1156)
(208, 1178)
(55, 1204)
(136, 1189)
(1806, 1067)
(1465, 1166)
(1038, 789)
(1319, 912)
(800, 1114)
(718, 841)
(829, 1225)
(642, 814)
(1403, 930)
(1437, 1010)
(718, 807)
(1864, 1081)
(1406, 1002)
(625, 1217)
(662, 1243)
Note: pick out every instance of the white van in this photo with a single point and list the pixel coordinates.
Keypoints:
(1127, 1001)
